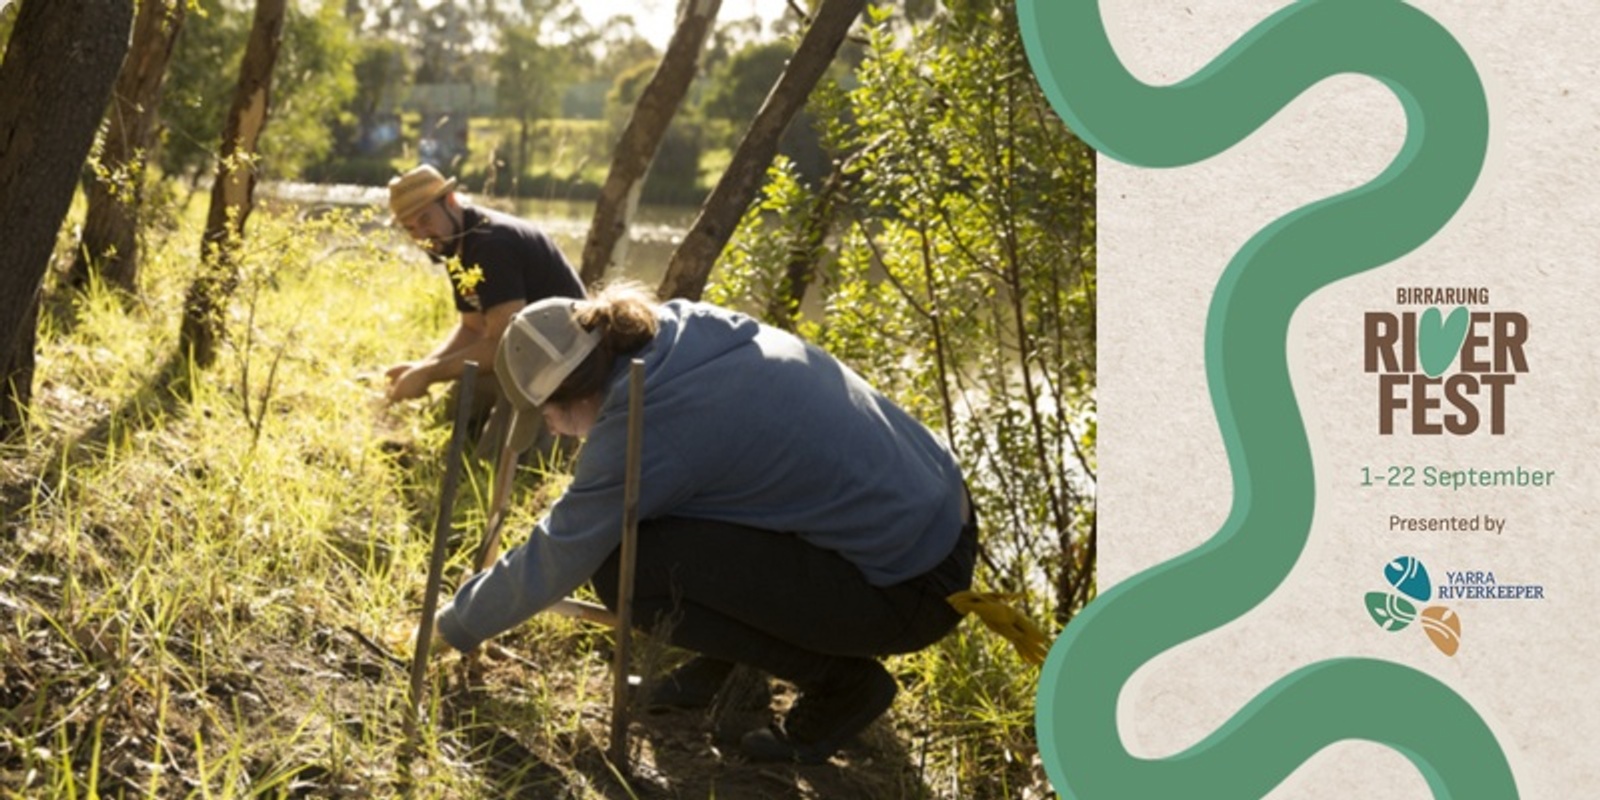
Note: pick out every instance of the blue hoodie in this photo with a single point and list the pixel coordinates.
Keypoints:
(747, 424)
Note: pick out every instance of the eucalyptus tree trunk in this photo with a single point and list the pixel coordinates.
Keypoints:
(691, 263)
(110, 241)
(647, 126)
(54, 84)
(232, 193)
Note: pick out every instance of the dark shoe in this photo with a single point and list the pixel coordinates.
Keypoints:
(823, 720)
(693, 685)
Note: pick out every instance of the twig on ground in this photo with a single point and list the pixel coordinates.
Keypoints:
(377, 649)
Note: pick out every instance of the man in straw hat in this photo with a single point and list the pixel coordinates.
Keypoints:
(504, 264)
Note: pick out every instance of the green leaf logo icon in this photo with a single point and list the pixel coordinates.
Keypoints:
(1439, 341)
(1390, 612)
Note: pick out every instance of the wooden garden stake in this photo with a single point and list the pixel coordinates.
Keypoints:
(625, 570)
(504, 471)
(441, 538)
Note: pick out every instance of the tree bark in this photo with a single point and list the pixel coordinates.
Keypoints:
(54, 84)
(691, 263)
(233, 191)
(607, 242)
(110, 241)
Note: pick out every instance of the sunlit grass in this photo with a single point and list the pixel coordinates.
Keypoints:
(198, 572)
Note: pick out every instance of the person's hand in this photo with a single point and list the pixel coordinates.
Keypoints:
(393, 374)
(406, 382)
(401, 636)
(437, 646)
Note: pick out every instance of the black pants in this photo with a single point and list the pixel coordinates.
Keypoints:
(774, 602)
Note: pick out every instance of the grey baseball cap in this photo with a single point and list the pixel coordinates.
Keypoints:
(542, 345)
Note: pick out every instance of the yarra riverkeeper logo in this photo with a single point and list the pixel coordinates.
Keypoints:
(1412, 596)
(1446, 363)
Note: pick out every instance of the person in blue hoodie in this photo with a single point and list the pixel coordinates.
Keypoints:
(792, 518)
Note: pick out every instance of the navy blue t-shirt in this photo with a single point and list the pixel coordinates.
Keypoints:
(518, 262)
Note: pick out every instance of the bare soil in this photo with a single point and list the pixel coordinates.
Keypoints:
(147, 711)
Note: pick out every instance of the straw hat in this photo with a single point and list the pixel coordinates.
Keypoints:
(413, 191)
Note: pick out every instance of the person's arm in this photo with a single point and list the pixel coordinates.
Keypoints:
(574, 539)
(564, 550)
(474, 339)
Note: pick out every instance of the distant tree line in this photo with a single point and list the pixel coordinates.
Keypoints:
(546, 92)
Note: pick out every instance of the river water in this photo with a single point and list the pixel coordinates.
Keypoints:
(655, 232)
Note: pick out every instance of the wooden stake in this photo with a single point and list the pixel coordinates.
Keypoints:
(505, 470)
(625, 570)
(441, 538)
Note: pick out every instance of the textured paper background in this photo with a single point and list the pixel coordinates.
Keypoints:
(1529, 234)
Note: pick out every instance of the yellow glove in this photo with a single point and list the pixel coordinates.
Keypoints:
(991, 607)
